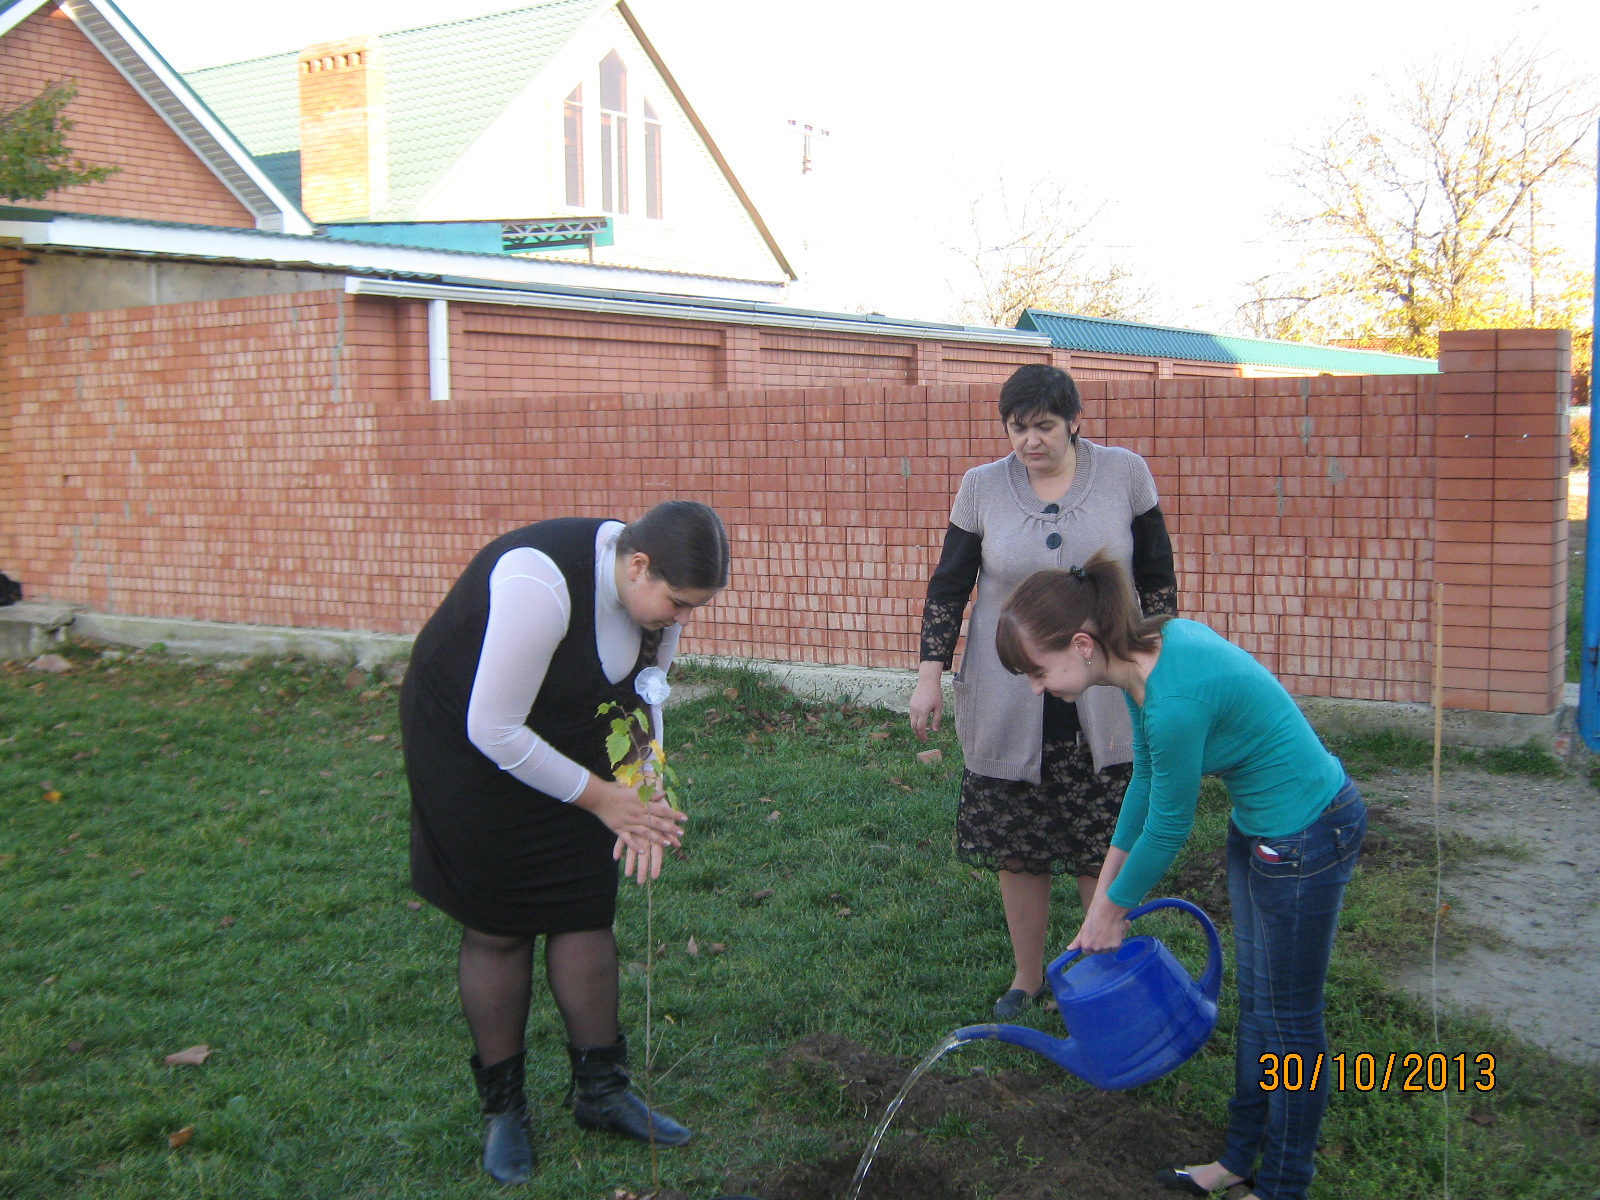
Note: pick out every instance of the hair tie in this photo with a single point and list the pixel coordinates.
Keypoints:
(1078, 573)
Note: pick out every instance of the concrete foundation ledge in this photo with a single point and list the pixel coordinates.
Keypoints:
(891, 688)
(883, 687)
(213, 639)
(1461, 727)
(33, 627)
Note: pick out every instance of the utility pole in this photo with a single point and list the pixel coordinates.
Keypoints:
(808, 134)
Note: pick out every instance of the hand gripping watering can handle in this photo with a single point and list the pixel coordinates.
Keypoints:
(1210, 982)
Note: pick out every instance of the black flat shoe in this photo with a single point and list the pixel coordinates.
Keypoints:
(1178, 1179)
(1013, 1003)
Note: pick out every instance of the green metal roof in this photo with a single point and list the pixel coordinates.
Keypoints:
(445, 84)
(1105, 336)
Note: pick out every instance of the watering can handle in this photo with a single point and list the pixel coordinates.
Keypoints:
(1211, 981)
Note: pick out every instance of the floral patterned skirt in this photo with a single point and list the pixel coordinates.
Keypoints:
(1061, 825)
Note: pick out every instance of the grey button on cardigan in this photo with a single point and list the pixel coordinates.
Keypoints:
(998, 718)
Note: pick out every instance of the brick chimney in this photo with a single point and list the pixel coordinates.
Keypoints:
(344, 130)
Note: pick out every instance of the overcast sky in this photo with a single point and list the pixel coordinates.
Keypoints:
(1170, 119)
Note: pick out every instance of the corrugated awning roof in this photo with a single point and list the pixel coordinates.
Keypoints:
(1106, 336)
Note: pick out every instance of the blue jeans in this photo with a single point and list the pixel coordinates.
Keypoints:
(1285, 895)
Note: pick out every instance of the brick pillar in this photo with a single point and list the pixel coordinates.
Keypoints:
(1500, 543)
(11, 256)
(927, 363)
(344, 130)
(741, 357)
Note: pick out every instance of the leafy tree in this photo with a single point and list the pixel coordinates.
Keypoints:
(1032, 253)
(1428, 210)
(34, 157)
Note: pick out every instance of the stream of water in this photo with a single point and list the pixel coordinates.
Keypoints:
(934, 1055)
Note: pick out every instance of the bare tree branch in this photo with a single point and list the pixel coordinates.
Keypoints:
(1432, 203)
(1032, 253)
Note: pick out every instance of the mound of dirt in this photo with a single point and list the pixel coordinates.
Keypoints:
(1008, 1136)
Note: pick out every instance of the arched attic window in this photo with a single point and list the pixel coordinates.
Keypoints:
(572, 137)
(652, 163)
(613, 135)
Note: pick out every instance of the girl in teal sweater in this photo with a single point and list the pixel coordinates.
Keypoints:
(1202, 706)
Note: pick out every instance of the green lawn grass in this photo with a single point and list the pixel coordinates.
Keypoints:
(226, 864)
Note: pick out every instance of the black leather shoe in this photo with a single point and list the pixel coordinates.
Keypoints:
(1178, 1179)
(601, 1098)
(507, 1150)
(1013, 1002)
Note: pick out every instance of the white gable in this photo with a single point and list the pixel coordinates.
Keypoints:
(517, 168)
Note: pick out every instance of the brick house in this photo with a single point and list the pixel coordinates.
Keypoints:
(562, 109)
(177, 161)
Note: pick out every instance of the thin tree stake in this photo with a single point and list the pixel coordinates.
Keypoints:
(649, 971)
(1438, 842)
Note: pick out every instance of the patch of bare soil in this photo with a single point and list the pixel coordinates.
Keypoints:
(1533, 899)
(1005, 1136)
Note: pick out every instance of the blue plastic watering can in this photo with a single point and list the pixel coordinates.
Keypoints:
(1133, 1014)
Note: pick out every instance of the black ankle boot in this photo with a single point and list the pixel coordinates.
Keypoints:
(507, 1152)
(600, 1097)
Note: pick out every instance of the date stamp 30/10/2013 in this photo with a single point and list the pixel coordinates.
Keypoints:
(1412, 1072)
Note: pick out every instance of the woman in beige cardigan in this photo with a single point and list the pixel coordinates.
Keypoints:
(1043, 780)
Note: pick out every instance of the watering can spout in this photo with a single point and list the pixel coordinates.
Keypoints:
(1060, 1051)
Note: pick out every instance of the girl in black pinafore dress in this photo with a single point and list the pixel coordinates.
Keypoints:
(510, 861)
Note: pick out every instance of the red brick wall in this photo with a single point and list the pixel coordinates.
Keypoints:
(278, 460)
(161, 179)
(536, 350)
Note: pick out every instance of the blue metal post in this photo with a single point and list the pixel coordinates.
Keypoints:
(1589, 669)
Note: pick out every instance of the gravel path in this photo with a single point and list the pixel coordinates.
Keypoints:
(1538, 973)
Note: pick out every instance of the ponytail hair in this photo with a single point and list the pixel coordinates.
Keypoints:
(685, 542)
(1052, 607)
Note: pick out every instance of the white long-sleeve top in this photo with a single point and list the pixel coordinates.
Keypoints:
(529, 613)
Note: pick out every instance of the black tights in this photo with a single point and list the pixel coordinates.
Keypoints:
(496, 976)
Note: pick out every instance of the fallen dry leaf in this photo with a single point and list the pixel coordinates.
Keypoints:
(731, 693)
(763, 799)
(355, 680)
(377, 737)
(182, 1138)
(762, 894)
(693, 948)
(843, 912)
(774, 815)
(414, 905)
(878, 735)
(52, 664)
(192, 1057)
(931, 756)
(75, 1046)
(1481, 1117)
(52, 797)
(717, 948)
(226, 922)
